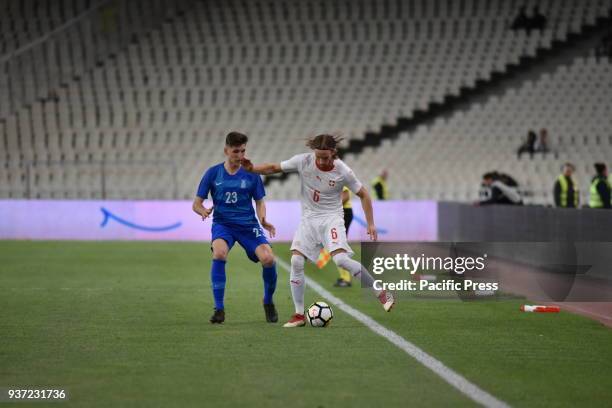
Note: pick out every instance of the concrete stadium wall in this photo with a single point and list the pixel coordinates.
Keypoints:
(533, 235)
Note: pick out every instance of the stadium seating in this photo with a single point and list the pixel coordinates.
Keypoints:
(573, 104)
(34, 71)
(277, 70)
(24, 21)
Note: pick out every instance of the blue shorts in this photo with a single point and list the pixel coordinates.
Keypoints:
(249, 237)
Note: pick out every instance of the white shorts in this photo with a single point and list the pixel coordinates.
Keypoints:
(314, 234)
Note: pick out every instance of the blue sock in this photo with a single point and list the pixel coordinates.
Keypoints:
(269, 277)
(217, 277)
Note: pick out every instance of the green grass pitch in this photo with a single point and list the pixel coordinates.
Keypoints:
(126, 324)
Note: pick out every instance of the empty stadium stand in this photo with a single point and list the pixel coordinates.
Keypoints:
(146, 119)
(447, 159)
(25, 21)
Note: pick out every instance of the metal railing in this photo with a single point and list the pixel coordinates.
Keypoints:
(97, 179)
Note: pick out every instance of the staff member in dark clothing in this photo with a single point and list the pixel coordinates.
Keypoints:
(566, 191)
(345, 276)
(379, 185)
(600, 188)
(499, 188)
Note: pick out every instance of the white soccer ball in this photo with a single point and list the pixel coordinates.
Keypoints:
(319, 314)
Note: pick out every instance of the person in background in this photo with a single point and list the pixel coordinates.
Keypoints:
(542, 146)
(379, 185)
(529, 145)
(538, 20)
(521, 21)
(600, 188)
(499, 188)
(565, 190)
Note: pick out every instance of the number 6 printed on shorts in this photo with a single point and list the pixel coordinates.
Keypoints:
(334, 233)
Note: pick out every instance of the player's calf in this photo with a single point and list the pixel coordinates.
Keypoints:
(357, 270)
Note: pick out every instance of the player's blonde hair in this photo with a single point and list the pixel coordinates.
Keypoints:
(325, 142)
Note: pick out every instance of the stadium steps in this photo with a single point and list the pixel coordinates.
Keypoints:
(560, 52)
(529, 68)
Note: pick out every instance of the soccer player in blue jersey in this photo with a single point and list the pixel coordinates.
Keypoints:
(232, 190)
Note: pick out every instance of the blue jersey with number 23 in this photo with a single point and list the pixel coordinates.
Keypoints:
(232, 195)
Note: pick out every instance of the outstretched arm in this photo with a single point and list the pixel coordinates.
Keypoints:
(265, 169)
(366, 204)
(260, 208)
(511, 193)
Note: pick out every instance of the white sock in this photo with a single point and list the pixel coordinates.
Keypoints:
(356, 269)
(296, 281)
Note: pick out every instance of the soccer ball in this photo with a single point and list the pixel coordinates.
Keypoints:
(320, 314)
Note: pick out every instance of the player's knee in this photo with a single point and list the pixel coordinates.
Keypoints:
(267, 259)
(219, 254)
(297, 263)
(342, 260)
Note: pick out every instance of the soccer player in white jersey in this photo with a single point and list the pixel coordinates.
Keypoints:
(323, 176)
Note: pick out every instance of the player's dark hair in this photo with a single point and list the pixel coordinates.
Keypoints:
(490, 175)
(324, 142)
(600, 168)
(236, 139)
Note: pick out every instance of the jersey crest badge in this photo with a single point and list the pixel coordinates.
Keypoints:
(243, 183)
(332, 183)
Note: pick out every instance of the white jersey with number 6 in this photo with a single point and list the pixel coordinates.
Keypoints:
(321, 193)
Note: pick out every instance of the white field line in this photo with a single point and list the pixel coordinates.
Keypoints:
(451, 377)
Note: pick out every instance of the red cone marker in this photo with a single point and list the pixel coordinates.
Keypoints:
(540, 309)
